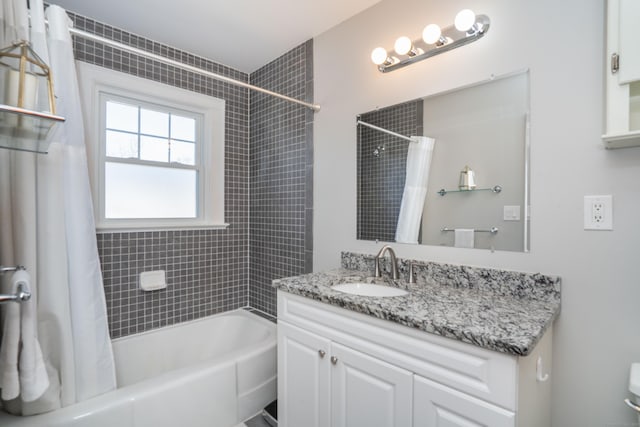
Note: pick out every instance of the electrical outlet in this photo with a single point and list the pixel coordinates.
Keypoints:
(598, 212)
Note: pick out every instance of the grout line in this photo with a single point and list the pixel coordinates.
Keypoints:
(262, 313)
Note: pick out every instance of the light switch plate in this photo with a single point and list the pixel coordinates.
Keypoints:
(511, 213)
(598, 212)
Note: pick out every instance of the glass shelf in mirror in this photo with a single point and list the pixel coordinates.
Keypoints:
(495, 189)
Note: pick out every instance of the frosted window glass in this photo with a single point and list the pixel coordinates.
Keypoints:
(183, 128)
(183, 152)
(154, 149)
(136, 191)
(122, 116)
(154, 123)
(121, 144)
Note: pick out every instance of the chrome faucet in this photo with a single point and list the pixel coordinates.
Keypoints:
(392, 259)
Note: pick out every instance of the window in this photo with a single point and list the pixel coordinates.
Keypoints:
(152, 160)
(156, 153)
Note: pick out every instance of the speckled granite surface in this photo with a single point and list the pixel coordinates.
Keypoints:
(498, 310)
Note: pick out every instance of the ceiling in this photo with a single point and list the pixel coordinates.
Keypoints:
(243, 34)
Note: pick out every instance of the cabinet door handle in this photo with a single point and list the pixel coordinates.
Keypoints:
(334, 360)
(321, 353)
(615, 63)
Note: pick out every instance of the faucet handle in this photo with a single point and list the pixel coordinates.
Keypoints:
(412, 273)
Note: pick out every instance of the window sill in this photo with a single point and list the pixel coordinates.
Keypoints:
(136, 228)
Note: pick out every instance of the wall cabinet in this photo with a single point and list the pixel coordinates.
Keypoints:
(622, 74)
(344, 369)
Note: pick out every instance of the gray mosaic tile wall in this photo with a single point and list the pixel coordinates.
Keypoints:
(207, 270)
(381, 177)
(281, 171)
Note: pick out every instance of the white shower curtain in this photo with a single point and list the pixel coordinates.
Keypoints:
(46, 224)
(415, 189)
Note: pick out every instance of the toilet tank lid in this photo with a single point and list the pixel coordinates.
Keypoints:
(634, 379)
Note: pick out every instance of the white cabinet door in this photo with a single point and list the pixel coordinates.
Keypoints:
(304, 372)
(629, 33)
(435, 405)
(367, 392)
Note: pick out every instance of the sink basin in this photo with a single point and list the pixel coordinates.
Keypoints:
(369, 290)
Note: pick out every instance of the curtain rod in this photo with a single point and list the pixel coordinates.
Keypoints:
(187, 67)
(387, 131)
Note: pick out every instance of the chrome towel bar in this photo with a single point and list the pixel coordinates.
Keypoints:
(492, 230)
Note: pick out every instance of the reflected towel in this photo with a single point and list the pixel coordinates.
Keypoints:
(415, 189)
(463, 238)
(22, 368)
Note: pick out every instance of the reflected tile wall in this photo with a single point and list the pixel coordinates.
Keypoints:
(381, 177)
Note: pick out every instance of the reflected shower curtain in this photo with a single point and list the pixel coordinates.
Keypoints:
(47, 224)
(415, 189)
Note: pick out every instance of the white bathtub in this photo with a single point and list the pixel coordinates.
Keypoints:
(211, 372)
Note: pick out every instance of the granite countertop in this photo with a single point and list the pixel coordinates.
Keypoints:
(498, 310)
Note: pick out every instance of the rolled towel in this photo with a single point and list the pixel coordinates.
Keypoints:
(28, 378)
(464, 238)
(10, 346)
(34, 380)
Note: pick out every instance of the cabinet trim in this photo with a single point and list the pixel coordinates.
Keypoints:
(622, 140)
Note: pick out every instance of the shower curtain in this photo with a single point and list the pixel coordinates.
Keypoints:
(47, 225)
(415, 189)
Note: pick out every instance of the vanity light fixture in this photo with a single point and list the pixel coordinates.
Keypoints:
(380, 57)
(404, 46)
(468, 27)
(432, 34)
(466, 21)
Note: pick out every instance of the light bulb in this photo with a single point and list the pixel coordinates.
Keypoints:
(465, 20)
(403, 45)
(379, 55)
(431, 34)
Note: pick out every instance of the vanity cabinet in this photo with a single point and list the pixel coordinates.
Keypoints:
(330, 384)
(340, 368)
(366, 391)
(303, 371)
(622, 74)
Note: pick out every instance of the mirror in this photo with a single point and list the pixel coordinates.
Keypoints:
(462, 179)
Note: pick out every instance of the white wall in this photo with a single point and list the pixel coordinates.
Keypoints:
(482, 127)
(561, 42)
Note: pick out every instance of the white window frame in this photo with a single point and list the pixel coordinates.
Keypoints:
(95, 81)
